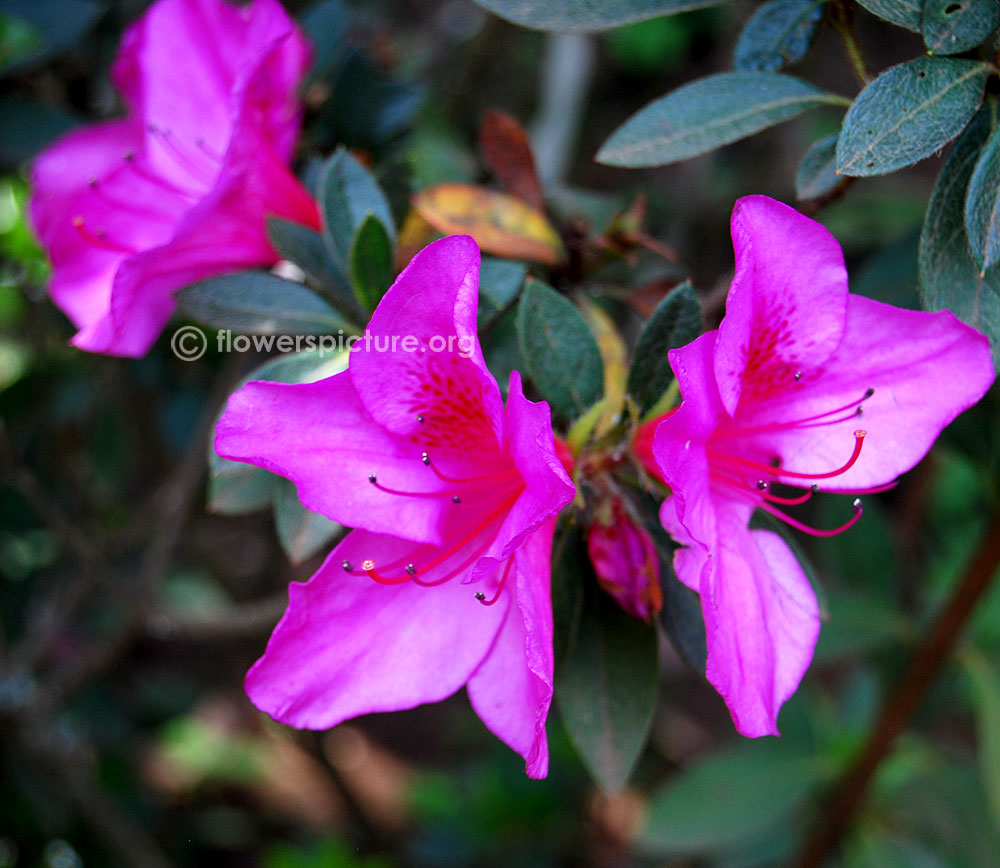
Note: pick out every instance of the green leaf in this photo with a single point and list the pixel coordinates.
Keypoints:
(499, 282)
(817, 173)
(982, 205)
(779, 33)
(954, 26)
(305, 248)
(570, 570)
(28, 126)
(949, 276)
(371, 262)
(675, 322)
(908, 112)
(708, 113)
(986, 698)
(60, 24)
(559, 351)
(607, 687)
(258, 303)
(301, 532)
(587, 16)
(735, 796)
(235, 488)
(905, 13)
(348, 193)
(326, 23)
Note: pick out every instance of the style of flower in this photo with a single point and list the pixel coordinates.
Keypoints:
(445, 580)
(131, 210)
(802, 386)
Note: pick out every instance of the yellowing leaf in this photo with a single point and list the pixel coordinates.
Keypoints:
(501, 224)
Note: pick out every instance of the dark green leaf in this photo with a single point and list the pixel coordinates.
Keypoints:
(60, 24)
(348, 194)
(675, 322)
(501, 347)
(587, 16)
(258, 303)
(982, 205)
(326, 24)
(499, 282)
(305, 248)
(607, 687)
(817, 173)
(908, 113)
(708, 113)
(735, 796)
(235, 488)
(559, 350)
(954, 26)
(905, 13)
(949, 276)
(571, 569)
(778, 33)
(371, 262)
(19, 40)
(304, 367)
(301, 532)
(28, 126)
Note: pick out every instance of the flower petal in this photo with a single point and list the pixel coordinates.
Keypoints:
(511, 690)
(439, 373)
(761, 624)
(321, 437)
(348, 645)
(787, 301)
(925, 368)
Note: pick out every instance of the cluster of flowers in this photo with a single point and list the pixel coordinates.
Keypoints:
(453, 495)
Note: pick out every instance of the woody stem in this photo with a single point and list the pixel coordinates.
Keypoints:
(931, 654)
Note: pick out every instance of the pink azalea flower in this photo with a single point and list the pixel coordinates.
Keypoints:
(445, 580)
(625, 559)
(802, 386)
(132, 210)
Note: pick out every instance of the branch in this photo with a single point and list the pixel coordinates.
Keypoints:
(931, 654)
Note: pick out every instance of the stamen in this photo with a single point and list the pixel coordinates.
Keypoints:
(816, 421)
(182, 158)
(368, 565)
(798, 376)
(156, 180)
(812, 531)
(373, 479)
(348, 566)
(503, 581)
(138, 206)
(777, 472)
(99, 239)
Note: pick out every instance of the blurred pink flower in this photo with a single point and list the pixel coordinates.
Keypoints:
(445, 581)
(774, 396)
(132, 210)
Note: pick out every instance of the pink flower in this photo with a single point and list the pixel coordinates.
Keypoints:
(445, 581)
(132, 210)
(801, 387)
(625, 559)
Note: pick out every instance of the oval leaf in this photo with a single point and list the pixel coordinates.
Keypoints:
(905, 13)
(949, 277)
(817, 173)
(586, 16)
(778, 33)
(506, 150)
(559, 351)
(607, 686)
(982, 206)
(371, 262)
(348, 194)
(708, 113)
(258, 303)
(908, 113)
(301, 533)
(501, 224)
(954, 26)
(675, 322)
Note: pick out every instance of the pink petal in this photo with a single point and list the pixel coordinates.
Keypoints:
(787, 301)
(348, 645)
(511, 690)
(925, 368)
(761, 624)
(321, 437)
(421, 356)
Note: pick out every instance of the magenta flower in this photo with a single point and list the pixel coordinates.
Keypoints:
(445, 581)
(802, 386)
(625, 559)
(132, 210)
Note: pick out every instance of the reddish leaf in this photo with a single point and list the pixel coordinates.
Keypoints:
(505, 148)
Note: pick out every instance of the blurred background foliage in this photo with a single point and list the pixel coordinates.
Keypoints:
(129, 611)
